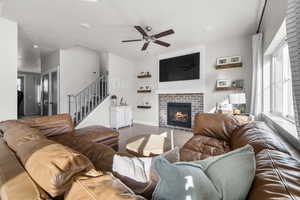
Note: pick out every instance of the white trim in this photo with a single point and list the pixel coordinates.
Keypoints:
(283, 127)
(49, 73)
(146, 123)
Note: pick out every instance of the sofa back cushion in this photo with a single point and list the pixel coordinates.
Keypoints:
(201, 147)
(51, 125)
(17, 134)
(259, 136)
(277, 176)
(218, 126)
(15, 183)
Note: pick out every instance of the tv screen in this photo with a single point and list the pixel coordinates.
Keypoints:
(180, 68)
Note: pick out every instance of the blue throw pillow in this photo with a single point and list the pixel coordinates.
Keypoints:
(226, 177)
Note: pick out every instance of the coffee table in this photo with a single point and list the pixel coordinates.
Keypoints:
(149, 145)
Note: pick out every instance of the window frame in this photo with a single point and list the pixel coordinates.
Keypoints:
(272, 83)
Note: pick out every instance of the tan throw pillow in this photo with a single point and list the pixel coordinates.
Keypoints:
(138, 173)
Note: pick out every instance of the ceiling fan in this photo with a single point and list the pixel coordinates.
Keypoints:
(151, 38)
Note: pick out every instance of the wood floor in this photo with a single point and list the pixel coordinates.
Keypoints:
(180, 137)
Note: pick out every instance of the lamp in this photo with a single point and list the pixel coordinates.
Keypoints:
(238, 99)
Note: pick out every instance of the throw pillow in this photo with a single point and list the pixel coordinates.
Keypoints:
(138, 173)
(226, 177)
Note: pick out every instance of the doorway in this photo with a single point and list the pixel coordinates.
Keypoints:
(50, 91)
(20, 85)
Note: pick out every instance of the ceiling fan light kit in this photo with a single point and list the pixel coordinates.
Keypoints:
(151, 38)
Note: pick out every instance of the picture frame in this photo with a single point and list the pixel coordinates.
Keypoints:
(229, 60)
(223, 83)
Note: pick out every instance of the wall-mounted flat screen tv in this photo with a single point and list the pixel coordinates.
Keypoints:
(180, 68)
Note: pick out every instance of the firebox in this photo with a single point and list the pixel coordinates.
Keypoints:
(180, 115)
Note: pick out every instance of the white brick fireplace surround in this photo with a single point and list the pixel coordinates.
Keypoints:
(196, 100)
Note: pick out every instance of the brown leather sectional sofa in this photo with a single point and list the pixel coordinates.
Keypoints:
(277, 172)
(277, 175)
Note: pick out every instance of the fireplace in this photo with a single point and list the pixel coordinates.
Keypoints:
(180, 115)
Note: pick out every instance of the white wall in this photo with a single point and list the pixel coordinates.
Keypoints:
(239, 46)
(122, 78)
(8, 69)
(274, 15)
(99, 116)
(29, 58)
(190, 86)
(50, 61)
(122, 83)
(79, 67)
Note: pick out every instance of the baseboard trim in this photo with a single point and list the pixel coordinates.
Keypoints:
(145, 123)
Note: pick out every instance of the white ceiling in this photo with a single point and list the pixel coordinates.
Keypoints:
(54, 24)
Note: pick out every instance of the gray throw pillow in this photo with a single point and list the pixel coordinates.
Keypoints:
(226, 177)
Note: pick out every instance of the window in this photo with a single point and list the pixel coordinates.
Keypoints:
(279, 89)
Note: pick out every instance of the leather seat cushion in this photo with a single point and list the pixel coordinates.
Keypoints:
(96, 133)
(15, 183)
(259, 136)
(99, 188)
(217, 126)
(202, 147)
(277, 176)
(51, 125)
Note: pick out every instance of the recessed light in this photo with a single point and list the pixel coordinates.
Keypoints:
(85, 25)
(208, 28)
(35, 46)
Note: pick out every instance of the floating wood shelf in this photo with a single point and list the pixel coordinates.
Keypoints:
(144, 91)
(144, 76)
(236, 65)
(229, 88)
(144, 107)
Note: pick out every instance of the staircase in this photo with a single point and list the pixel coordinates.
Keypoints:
(83, 103)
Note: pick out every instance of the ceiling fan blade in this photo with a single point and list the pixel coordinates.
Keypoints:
(165, 33)
(145, 46)
(138, 40)
(141, 30)
(162, 43)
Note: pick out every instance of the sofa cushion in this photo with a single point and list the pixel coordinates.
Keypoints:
(51, 165)
(277, 176)
(51, 125)
(99, 188)
(226, 177)
(17, 134)
(96, 133)
(217, 126)
(259, 136)
(202, 147)
(15, 183)
(100, 155)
